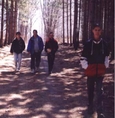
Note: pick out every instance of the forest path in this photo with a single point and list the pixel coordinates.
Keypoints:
(63, 94)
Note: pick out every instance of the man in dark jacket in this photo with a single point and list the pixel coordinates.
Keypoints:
(51, 47)
(94, 60)
(35, 47)
(17, 48)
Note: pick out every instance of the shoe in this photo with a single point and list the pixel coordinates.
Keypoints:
(37, 69)
(32, 71)
(17, 69)
(100, 112)
(100, 115)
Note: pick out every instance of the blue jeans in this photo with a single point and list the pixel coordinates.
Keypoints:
(17, 60)
(91, 81)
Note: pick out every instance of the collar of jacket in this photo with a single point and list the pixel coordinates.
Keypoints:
(33, 37)
(18, 39)
(97, 42)
(51, 39)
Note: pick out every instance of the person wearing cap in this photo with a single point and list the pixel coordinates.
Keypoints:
(94, 61)
(51, 46)
(35, 47)
(17, 47)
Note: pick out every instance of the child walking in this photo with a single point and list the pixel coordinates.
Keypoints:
(17, 48)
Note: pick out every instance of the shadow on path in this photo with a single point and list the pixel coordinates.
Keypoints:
(63, 94)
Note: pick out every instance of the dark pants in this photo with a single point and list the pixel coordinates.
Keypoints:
(51, 58)
(91, 81)
(35, 59)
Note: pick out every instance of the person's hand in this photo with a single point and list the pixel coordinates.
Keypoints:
(48, 50)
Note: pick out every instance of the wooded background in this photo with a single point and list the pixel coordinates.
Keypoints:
(71, 20)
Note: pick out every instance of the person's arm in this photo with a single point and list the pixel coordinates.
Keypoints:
(11, 49)
(29, 46)
(42, 44)
(56, 47)
(23, 45)
(83, 59)
(46, 46)
(47, 49)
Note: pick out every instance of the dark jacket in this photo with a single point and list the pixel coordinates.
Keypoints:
(95, 53)
(17, 46)
(30, 47)
(51, 44)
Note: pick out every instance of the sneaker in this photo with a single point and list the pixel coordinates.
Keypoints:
(100, 115)
(18, 70)
(32, 71)
(37, 69)
(100, 112)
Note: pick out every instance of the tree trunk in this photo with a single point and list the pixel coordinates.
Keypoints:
(15, 17)
(12, 20)
(63, 24)
(85, 26)
(75, 33)
(70, 23)
(67, 24)
(6, 36)
(2, 23)
(11, 31)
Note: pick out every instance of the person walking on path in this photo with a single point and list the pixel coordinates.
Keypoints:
(35, 47)
(95, 60)
(51, 46)
(17, 47)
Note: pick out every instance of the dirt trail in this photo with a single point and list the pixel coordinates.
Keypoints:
(63, 94)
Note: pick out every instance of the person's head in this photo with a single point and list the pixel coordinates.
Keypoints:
(51, 35)
(97, 31)
(18, 34)
(35, 33)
